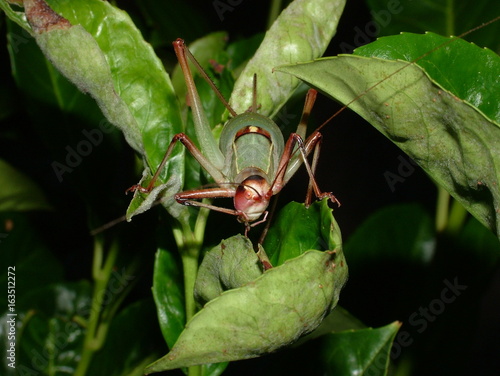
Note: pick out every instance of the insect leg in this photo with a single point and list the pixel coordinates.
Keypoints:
(197, 154)
(290, 161)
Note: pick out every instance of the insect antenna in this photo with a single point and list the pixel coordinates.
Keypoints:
(404, 67)
(254, 93)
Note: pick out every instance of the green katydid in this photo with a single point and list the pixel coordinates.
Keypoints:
(251, 163)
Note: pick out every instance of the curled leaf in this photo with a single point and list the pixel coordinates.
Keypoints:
(229, 265)
(273, 311)
(298, 228)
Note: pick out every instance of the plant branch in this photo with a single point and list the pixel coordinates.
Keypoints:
(94, 337)
(442, 209)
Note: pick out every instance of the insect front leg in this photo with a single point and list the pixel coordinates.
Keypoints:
(189, 198)
(291, 161)
(314, 142)
(195, 152)
(283, 175)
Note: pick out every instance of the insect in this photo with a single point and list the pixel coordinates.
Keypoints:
(251, 163)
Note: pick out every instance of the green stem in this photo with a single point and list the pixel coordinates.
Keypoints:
(442, 209)
(189, 243)
(458, 215)
(101, 274)
(449, 221)
(450, 17)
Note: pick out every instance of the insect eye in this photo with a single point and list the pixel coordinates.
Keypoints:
(248, 194)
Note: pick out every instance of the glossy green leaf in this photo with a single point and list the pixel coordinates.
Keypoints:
(14, 14)
(139, 78)
(138, 74)
(105, 55)
(229, 265)
(467, 71)
(298, 229)
(19, 192)
(301, 33)
(72, 49)
(29, 66)
(168, 293)
(359, 352)
(451, 140)
(274, 310)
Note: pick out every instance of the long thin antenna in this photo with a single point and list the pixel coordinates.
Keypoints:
(404, 67)
(254, 93)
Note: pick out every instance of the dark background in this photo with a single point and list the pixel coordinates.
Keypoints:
(353, 162)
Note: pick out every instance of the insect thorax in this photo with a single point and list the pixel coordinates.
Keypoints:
(251, 140)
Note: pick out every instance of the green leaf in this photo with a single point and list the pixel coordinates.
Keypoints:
(467, 71)
(298, 229)
(129, 347)
(274, 310)
(399, 232)
(16, 16)
(138, 74)
(229, 265)
(105, 55)
(139, 78)
(451, 140)
(301, 33)
(338, 320)
(75, 53)
(49, 340)
(359, 352)
(168, 293)
(19, 192)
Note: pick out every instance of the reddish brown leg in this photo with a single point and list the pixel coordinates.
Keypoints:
(186, 141)
(189, 198)
(289, 164)
(314, 141)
